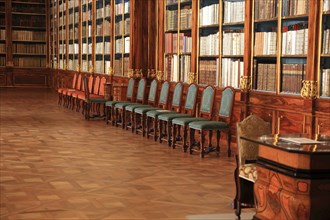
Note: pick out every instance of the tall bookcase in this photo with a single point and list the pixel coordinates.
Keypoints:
(178, 39)
(2, 34)
(324, 76)
(221, 42)
(29, 33)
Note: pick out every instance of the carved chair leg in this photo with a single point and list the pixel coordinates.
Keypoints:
(191, 137)
(155, 129)
(228, 142)
(202, 143)
(218, 143)
(185, 137)
(173, 135)
(160, 128)
(169, 134)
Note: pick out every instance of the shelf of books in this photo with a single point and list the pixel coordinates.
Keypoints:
(86, 36)
(62, 27)
(103, 36)
(29, 33)
(2, 34)
(73, 35)
(53, 35)
(121, 37)
(178, 39)
(221, 42)
(325, 51)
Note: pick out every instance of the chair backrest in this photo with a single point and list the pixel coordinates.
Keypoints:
(141, 91)
(207, 102)
(227, 104)
(130, 89)
(103, 81)
(96, 86)
(86, 87)
(74, 81)
(177, 96)
(252, 126)
(90, 83)
(78, 83)
(163, 97)
(191, 98)
(153, 92)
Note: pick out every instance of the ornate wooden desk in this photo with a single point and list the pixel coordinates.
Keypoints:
(293, 179)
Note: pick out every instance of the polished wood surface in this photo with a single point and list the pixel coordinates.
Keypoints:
(56, 165)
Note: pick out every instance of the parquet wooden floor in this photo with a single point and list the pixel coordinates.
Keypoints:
(56, 165)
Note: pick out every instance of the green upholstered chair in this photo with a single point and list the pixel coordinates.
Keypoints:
(222, 124)
(205, 113)
(109, 105)
(245, 173)
(120, 108)
(152, 116)
(140, 112)
(151, 102)
(96, 99)
(165, 120)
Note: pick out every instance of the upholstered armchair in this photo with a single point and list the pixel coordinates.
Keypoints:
(246, 173)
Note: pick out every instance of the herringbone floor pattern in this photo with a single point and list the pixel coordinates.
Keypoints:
(56, 165)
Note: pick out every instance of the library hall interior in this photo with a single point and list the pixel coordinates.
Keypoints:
(164, 109)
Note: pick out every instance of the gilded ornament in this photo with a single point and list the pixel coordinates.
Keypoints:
(309, 89)
(245, 83)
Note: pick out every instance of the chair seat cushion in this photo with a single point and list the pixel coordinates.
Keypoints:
(208, 125)
(171, 116)
(69, 92)
(122, 105)
(75, 94)
(131, 108)
(186, 121)
(96, 100)
(155, 113)
(144, 110)
(112, 103)
(248, 171)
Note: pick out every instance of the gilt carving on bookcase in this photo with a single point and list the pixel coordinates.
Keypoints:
(245, 83)
(309, 89)
(191, 77)
(130, 73)
(110, 71)
(160, 75)
(151, 73)
(78, 68)
(138, 73)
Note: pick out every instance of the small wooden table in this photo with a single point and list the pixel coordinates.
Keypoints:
(293, 179)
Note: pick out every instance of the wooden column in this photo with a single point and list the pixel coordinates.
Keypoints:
(161, 40)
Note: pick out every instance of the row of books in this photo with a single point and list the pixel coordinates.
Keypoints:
(171, 2)
(122, 8)
(119, 26)
(73, 18)
(292, 76)
(326, 42)
(72, 3)
(103, 12)
(209, 15)
(234, 11)
(102, 47)
(73, 48)
(294, 7)
(232, 70)
(102, 67)
(265, 9)
(86, 30)
(30, 8)
(86, 64)
(103, 29)
(62, 20)
(117, 66)
(73, 33)
(61, 49)
(185, 42)
(209, 72)
(33, 1)
(295, 39)
(29, 62)
(264, 76)
(3, 48)
(126, 65)
(186, 18)
(29, 48)
(72, 64)
(87, 48)
(171, 20)
(171, 68)
(265, 43)
(29, 35)
(2, 34)
(2, 61)
(119, 45)
(33, 21)
(209, 45)
(325, 89)
(87, 15)
(326, 5)
(185, 63)
(233, 43)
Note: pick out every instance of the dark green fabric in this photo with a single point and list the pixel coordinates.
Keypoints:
(164, 93)
(171, 116)
(226, 102)
(143, 110)
(112, 103)
(207, 99)
(155, 113)
(208, 125)
(141, 89)
(100, 100)
(131, 108)
(177, 95)
(190, 99)
(153, 91)
(186, 121)
(122, 105)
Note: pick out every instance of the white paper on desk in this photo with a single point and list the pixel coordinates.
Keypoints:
(300, 140)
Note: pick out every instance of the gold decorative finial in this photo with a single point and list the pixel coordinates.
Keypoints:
(160, 75)
(130, 73)
(91, 69)
(138, 73)
(191, 77)
(151, 73)
(245, 83)
(309, 89)
(78, 68)
(110, 71)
